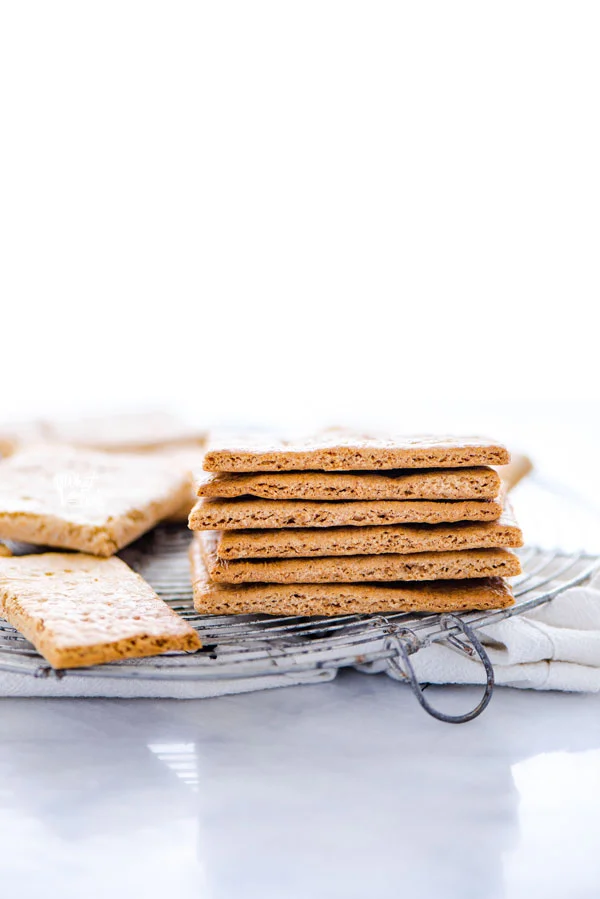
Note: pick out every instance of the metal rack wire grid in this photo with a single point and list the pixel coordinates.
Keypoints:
(256, 645)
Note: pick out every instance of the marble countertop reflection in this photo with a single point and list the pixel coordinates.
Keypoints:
(343, 789)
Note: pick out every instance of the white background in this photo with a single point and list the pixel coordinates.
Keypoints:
(292, 211)
(295, 211)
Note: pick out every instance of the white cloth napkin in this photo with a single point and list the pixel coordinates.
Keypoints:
(554, 647)
(129, 688)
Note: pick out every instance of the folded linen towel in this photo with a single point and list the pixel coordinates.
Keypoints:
(553, 647)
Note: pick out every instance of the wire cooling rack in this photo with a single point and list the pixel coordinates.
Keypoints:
(246, 646)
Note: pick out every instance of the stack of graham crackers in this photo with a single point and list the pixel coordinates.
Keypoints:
(347, 523)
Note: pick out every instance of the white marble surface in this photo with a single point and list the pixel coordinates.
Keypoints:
(345, 789)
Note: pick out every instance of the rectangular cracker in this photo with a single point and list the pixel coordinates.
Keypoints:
(233, 514)
(421, 566)
(81, 499)
(340, 599)
(291, 543)
(453, 483)
(343, 450)
(79, 610)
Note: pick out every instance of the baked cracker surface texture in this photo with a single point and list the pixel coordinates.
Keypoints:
(85, 500)
(233, 514)
(344, 450)
(290, 543)
(308, 600)
(422, 566)
(443, 483)
(80, 610)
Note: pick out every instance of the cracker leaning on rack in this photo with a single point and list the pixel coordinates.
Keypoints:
(80, 610)
(157, 433)
(81, 499)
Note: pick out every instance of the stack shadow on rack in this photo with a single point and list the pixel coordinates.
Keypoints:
(346, 523)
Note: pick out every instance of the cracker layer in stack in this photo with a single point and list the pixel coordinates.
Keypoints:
(346, 522)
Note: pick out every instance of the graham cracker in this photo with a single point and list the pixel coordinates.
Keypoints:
(81, 499)
(79, 610)
(444, 484)
(421, 566)
(307, 600)
(233, 514)
(345, 450)
(292, 543)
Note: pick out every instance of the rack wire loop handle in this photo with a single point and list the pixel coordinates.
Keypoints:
(406, 671)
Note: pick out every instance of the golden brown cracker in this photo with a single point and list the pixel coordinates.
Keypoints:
(85, 500)
(444, 484)
(291, 543)
(79, 610)
(341, 599)
(343, 450)
(233, 514)
(421, 566)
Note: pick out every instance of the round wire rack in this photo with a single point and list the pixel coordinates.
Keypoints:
(246, 646)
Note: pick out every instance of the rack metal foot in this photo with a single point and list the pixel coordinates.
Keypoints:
(404, 643)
